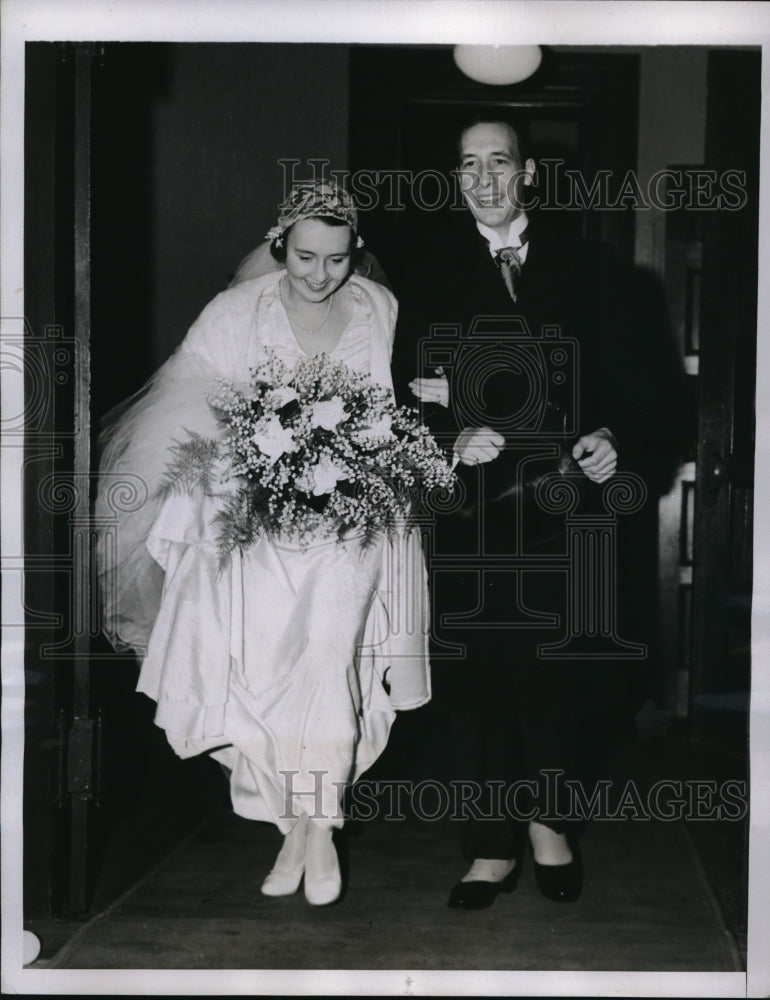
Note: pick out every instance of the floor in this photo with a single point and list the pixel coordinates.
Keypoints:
(649, 903)
(645, 907)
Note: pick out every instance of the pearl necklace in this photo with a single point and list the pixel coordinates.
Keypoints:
(303, 329)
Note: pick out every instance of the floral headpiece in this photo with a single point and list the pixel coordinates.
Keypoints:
(312, 199)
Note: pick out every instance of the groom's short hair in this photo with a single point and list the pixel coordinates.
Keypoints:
(517, 141)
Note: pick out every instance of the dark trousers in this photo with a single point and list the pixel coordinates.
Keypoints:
(510, 769)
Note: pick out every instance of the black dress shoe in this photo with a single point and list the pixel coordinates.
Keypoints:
(561, 883)
(479, 895)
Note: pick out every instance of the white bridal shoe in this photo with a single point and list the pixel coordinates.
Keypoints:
(323, 881)
(286, 874)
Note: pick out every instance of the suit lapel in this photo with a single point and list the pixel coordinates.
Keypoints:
(482, 284)
(548, 283)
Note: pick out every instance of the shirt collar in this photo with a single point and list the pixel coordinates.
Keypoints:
(516, 228)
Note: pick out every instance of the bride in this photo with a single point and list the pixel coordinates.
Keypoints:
(287, 663)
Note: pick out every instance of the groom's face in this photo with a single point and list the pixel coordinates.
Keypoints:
(491, 173)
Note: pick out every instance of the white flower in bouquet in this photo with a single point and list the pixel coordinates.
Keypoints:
(273, 439)
(379, 430)
(281, 395)
(326, 475)
(328, 413)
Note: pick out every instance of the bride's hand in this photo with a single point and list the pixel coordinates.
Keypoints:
(477, 445)
(432, 390)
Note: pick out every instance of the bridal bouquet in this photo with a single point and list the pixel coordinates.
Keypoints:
(312, 451)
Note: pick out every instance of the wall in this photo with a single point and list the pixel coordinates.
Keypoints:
(672, 125)
(230, 113)
(672, 130)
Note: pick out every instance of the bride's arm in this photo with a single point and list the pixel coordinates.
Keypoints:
(220, 337)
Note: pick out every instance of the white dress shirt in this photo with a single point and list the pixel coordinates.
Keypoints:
(516, 228)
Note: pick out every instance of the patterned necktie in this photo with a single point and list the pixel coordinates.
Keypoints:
(508, 260)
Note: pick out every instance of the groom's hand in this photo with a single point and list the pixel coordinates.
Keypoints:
(596, 455)
(475, 445)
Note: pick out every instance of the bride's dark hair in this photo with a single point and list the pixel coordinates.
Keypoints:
(278, 251)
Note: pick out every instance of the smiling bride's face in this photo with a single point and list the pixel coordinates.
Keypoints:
(317, 258)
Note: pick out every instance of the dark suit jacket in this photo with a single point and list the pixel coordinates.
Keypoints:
(579, 288)
(564, 360)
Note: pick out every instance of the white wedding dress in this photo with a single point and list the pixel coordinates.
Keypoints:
(288, 664)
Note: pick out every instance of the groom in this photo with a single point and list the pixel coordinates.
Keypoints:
(521, 350)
